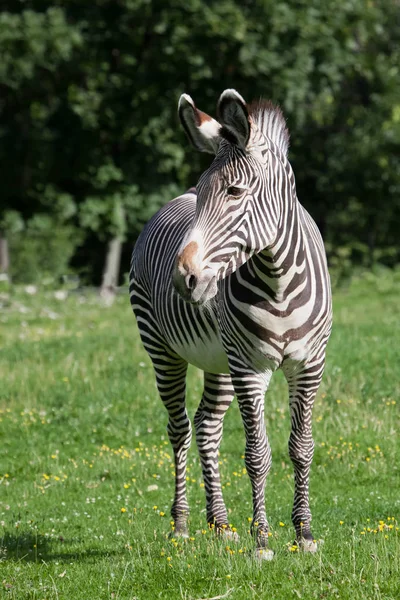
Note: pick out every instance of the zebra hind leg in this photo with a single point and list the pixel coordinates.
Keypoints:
(217, 397)
(303, 386)
(171, 383)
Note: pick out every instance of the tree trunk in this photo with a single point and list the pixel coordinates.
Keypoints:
(111, 271)
(4, 254)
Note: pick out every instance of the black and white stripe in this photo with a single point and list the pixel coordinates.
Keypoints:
(233, 279)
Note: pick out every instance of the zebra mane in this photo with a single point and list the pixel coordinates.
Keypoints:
(270, 120)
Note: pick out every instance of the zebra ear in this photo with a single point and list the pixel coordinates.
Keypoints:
(233, 114)
(202, 130)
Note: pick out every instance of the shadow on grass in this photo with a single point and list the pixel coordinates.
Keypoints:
(28, 547)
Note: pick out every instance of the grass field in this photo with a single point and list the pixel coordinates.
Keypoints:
(86, 472)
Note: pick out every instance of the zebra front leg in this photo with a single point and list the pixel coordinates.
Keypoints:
(303, 385)
(217, 397)
(250, 390)
(171, 384)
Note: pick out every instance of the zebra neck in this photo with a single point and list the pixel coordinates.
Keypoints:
(283, 265)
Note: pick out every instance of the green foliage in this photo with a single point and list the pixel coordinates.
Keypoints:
(88, 96)
(42, 249)
(34, 40)
(11, 222)
(84, 436)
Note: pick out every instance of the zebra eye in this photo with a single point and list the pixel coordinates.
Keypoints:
(235, 191)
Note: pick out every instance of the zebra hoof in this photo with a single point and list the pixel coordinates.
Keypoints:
(179, 534)
(307, 545)
(264, 554)
(228, 534)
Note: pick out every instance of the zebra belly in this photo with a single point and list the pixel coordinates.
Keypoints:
(207, 355)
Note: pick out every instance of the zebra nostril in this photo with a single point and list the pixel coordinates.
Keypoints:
(190, 281)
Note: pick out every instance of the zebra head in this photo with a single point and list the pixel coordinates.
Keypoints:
(238, 197)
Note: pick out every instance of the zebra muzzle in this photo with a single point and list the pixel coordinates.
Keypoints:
(195, 288)
(195, 284)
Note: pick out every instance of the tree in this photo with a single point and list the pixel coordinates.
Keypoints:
(88, 96)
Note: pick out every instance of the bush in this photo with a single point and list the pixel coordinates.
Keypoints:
(42, 249)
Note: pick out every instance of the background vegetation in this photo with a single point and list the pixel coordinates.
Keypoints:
(86, 468)
(90, 144)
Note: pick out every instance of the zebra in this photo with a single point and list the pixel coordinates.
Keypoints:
(232, 277)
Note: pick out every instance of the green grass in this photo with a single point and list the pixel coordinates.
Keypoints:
(86, 470)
